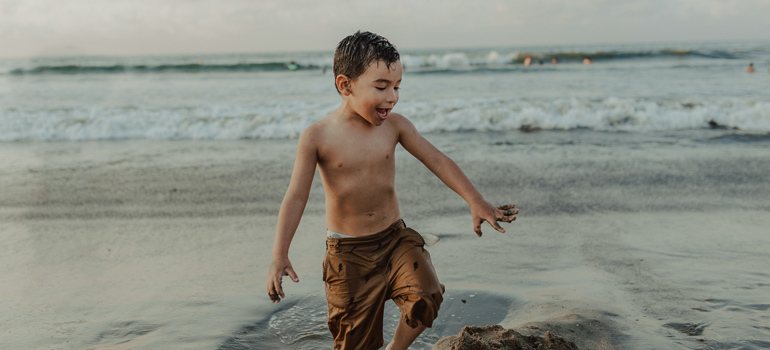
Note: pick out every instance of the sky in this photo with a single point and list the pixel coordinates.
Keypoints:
(32, 28)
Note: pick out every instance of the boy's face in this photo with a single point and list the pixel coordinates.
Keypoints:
(374, 94)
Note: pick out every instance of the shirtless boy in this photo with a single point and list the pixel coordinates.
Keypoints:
(371, 256)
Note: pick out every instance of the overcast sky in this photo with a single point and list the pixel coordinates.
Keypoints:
(31, 28)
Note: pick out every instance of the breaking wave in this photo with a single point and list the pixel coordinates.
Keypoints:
(287, 120)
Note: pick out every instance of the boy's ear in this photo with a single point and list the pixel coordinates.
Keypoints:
(343, 84)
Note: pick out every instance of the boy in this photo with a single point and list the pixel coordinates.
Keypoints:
(371, 256)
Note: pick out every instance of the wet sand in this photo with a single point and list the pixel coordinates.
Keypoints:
(642, 243)
(497, 337)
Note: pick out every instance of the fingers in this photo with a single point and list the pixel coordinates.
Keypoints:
(273, 292)
(275, 282)
(493, 223)
(496, 226)
(507, 219)
(293, 275)
(511, 212)
(508, 214)
(274, 288)
(278, 286)
(503, 213)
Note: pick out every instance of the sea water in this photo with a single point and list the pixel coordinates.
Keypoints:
(628, 88)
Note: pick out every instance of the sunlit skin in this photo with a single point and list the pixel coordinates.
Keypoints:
(353, 148)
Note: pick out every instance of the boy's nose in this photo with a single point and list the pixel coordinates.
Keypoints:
(393, 96)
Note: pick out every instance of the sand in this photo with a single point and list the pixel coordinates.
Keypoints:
(639, 244)
(498, 338)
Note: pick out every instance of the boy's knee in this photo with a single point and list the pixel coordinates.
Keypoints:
(424, 310)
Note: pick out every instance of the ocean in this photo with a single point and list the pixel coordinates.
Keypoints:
(628, 88)
(140, 194)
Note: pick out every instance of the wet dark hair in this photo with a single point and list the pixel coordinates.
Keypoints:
(358, 51)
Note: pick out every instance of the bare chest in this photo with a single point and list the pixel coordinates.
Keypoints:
(354, 155)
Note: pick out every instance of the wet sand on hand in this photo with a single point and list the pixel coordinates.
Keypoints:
(624, 241)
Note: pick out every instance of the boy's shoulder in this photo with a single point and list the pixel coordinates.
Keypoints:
(316, 130)
(397, 119)
(401, 124)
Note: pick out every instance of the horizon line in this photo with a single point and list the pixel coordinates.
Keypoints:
(300, 51)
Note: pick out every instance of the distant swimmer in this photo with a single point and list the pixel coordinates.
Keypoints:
(553, 60)
(586, 60)
(527, 61)
(750, 69)
(292, 65)
(540, 62)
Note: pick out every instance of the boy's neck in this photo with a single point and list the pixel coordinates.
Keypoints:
(345, 114)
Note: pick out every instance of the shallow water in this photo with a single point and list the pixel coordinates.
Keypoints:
(646, 240)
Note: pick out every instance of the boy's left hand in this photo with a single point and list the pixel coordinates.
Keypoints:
(483, 211)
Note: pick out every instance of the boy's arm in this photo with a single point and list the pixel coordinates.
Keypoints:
(451, 174)
(289, 215)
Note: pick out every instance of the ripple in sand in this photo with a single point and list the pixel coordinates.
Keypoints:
(125, 333)
(691, 329)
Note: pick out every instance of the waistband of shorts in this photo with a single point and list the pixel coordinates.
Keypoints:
(373, 238)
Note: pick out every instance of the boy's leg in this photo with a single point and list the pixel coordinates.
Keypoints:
(355, 295)
(405, 335)
(415, 288)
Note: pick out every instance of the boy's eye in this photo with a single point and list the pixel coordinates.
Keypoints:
(381, 88)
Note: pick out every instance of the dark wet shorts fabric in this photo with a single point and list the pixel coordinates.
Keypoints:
(361, 273)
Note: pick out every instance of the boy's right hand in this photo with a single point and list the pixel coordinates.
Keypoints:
(483, 211)
(278, 269)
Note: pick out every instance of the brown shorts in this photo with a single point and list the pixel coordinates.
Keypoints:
(361, 273)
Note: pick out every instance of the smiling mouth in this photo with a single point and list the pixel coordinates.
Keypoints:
(383, 113)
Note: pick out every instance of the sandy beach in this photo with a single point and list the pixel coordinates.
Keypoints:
(655, 242)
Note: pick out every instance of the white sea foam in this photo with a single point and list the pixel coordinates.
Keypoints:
(496, 59)
(451, 60)
(287, 120)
